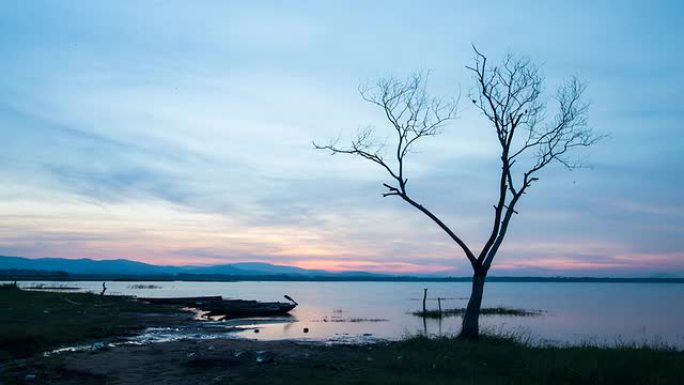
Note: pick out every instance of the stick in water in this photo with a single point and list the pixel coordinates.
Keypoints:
(424, 298)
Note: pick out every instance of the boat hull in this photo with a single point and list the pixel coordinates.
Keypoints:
(228, 308)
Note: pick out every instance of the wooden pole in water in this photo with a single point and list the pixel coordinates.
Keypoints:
(439, 303)
(424, 299)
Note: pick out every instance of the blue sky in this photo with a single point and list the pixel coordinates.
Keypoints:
(180, 133)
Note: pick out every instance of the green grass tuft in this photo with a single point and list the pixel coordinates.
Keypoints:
(490, 360)
(484, 311)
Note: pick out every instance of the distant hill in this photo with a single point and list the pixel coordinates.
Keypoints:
(19, 268)
(126, 267)
(84, 266)
(252, 268)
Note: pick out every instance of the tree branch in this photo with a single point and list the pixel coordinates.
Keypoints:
(413, 115)
(509, 95)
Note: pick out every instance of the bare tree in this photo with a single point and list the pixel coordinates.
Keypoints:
(510, 97)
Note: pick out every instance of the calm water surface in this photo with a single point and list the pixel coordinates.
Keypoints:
(602, 313)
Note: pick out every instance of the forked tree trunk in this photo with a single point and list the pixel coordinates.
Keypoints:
(471, 318)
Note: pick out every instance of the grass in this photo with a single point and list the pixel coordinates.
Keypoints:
(35, 321)
(487, 361)
(484, 311)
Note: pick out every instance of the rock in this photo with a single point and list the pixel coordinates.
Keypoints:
(97, 346)
(264, 357)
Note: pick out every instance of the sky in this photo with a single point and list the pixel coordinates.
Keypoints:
(179, 133)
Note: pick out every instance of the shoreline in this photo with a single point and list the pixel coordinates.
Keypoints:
(45, 320)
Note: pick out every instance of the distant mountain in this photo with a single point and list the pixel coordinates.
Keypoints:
(84, 266)
(28, 268)
(253, 268)
(126, 267)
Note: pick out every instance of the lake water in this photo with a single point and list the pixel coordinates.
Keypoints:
(598, 313)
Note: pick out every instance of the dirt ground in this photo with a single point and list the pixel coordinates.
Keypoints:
(219, 361)
(414, 361)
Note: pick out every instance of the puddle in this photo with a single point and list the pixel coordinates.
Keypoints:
(204, 330)
(243, 328)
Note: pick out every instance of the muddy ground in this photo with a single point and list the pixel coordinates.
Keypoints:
(219, 361)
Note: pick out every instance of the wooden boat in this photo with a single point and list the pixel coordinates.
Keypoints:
(228, 308)
(183, 301)
(241, 308)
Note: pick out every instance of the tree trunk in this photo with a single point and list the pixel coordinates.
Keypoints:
(471, 318)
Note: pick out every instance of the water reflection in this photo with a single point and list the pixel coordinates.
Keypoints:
(432, 327)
